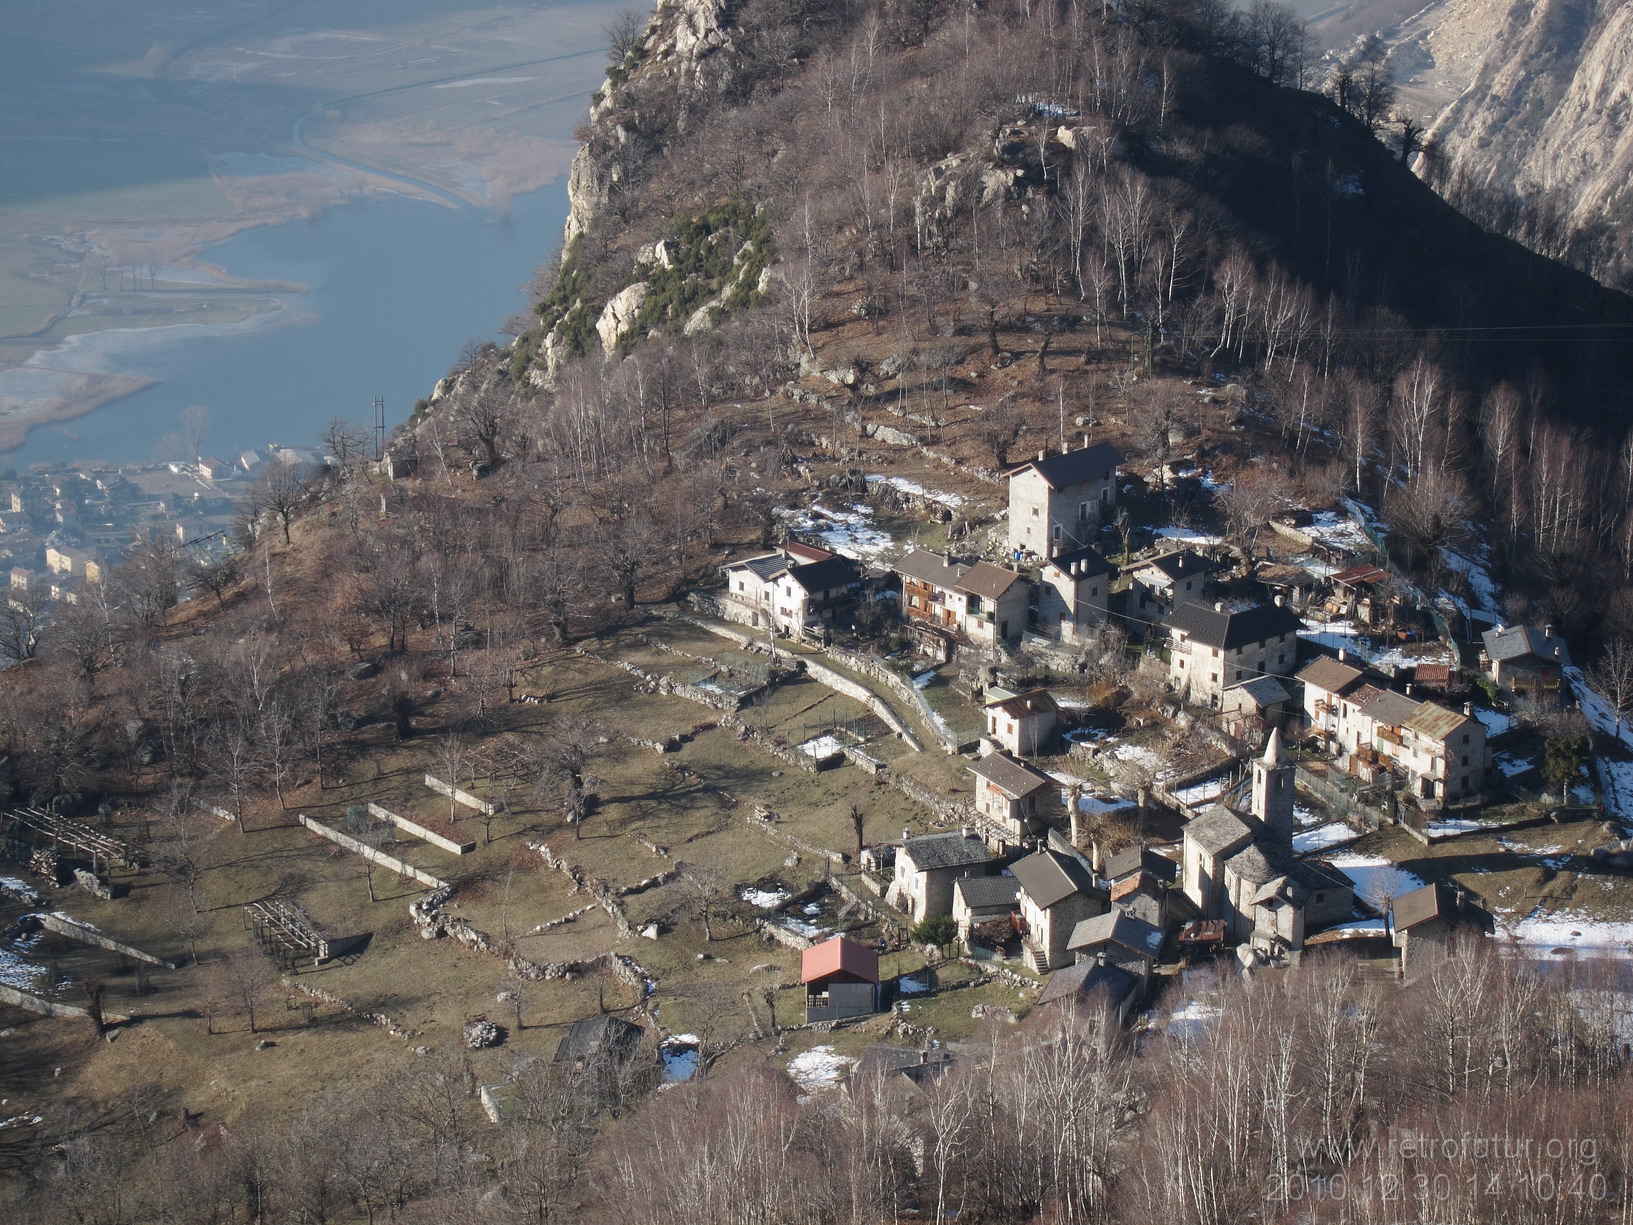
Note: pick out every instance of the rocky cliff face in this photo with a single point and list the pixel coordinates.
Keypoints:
(1539, 142)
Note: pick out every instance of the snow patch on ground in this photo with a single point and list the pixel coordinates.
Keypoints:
(1190, 1020)
(1494, 721)
(910, 986)
(1482, 591)
(1322, 838)
(818, 1068)
(1378, 881)
(20, 889)
(1337, 530)
(765, 899)
(1444, 827)
(820, 747)
(17, 971)
(1139, 755)
(1204, 792)
(1545, 934)
(849, 532)
(680, 1057)
(1346, 636)
(906, 486)
(1187, 535)
(923, 679)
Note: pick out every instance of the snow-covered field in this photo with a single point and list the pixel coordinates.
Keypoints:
(765, 899)
(818, 1068)
(1494, 721)
(1381, 653)
(17, 971)
(1445, 827)
(1545, 935)
(1187, 535)
(1189, 1022)
(20, 889)
(1378, 881)
(1337, 530)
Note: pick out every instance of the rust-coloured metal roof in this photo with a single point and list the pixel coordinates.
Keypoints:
(838, 955)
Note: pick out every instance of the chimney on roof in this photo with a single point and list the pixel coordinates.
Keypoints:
(1343, 654)
(1548, 631)
(1218, 606)
(967, 832)
(906, 833)
(1042, 455)
(1408, 690)
(1278, 601)
(1100, 958)
(1468, 709)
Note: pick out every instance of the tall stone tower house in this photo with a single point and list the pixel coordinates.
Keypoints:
(1273, 794)
(1057, 503)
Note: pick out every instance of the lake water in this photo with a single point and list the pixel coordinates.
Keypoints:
(396, 288)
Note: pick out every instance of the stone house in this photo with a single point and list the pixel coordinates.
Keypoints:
(1425, 924)
(1158, 585)
(1011, 794)
(841, 979)
(979, 898)
(1057, 503)
(1073, 594)
(1057, 892)
(926, 868)
(1251, 708)
(1022, 724)
(795, 589)
(1525, 659)
(1093, 985)
(1241, 867)
(982, 602)
(1212, 649)
(1119, 939)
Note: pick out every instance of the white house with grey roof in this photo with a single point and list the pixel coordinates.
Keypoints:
(1057, 503)
(794, 589)
(1213, 648)
(927, 867)
(1158, 585)
(1057, 892)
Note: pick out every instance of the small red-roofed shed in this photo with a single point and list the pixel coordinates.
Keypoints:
(841, 979)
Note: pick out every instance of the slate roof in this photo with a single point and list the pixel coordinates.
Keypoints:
(987, 580)
(1366, 573)
(951, 850)
(1075, 467)
(1018, 705)
(1264, 690)
(1229, 630)
(1508, 643)
(1330, 675)
(1217, 829)
(1184, 563)
(1134, 859)
(980, 892)
(1435, 721)
(1085, 980)
(1014, 778)
(1093, 563)
(824, 575)
(1390, 708)
(1049, 877)
(1433, 901)
(928, 567)
(910, 1061)
(593, 1035)
(1118, 927)
(1251, 864)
